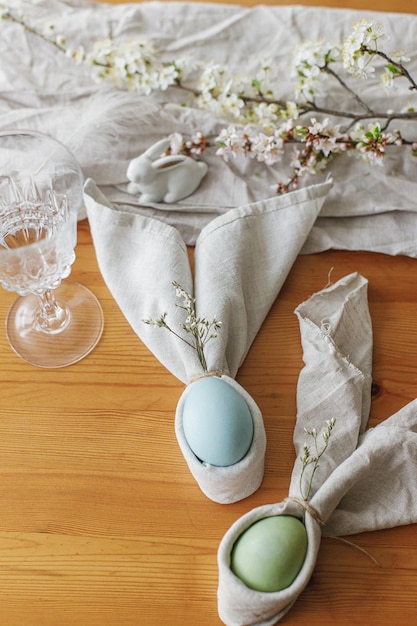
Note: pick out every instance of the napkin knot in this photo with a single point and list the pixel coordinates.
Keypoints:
(218, 373)
(307, 507)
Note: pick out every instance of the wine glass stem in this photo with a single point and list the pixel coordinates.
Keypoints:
(52, 318)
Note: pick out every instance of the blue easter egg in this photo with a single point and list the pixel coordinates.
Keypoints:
(217, 422)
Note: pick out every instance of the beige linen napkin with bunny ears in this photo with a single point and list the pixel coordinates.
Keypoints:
(366, 478)
(241, 260)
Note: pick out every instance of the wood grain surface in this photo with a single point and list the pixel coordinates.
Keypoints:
(101, 522)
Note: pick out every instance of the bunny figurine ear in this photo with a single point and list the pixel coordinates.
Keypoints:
(168, 162)
(242, 258)
(157, 149)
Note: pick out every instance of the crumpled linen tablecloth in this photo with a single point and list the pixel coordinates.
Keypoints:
(368, 208)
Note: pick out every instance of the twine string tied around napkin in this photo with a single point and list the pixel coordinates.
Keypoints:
(307, 507)
(196, 377)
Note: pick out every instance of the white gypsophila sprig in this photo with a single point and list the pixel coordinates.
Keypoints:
(312, 458)
(199, 329)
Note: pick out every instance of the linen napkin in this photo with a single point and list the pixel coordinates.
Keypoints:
(365, 479)
(241, 260)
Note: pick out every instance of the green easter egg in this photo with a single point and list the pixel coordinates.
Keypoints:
(269, 554)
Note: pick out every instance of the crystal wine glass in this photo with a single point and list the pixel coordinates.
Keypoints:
(51, 324)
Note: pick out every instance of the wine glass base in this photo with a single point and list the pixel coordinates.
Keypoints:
(60, 349)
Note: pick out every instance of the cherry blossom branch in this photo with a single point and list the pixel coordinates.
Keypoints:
(263, 124)
(399, 67)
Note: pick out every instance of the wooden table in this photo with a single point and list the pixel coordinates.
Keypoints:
(101, 522)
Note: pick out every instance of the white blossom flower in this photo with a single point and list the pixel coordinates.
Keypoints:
(232, 105)
(371, 142)
(291, 110)
(409, 107)
(240, 84)
(325, 136)
(231, 142)
(48, 30)
(267, 148)
(266, 115)
(387, 79)
(176, 143)
(212, 79)
(287, 127)
(309, 58)
(132, 65)
(308, 161)
(360, 47)
(142, 83)
(78, 54)
(265, 82)
(391, 69)
(400, 56)
(186, 66)
(363, 68)
(167, 76)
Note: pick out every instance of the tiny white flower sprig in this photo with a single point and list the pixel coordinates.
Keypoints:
(199, 329)
(312, 459)
(261, 125)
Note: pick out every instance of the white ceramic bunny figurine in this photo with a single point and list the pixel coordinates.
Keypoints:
(164, 178)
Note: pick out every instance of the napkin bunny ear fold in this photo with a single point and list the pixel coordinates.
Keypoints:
(241, 262)
(242, 259)
(376, 486)
(139, 258)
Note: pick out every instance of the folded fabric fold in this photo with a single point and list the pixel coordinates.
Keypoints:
(363, 481)
(241, 260)
(375, 487)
